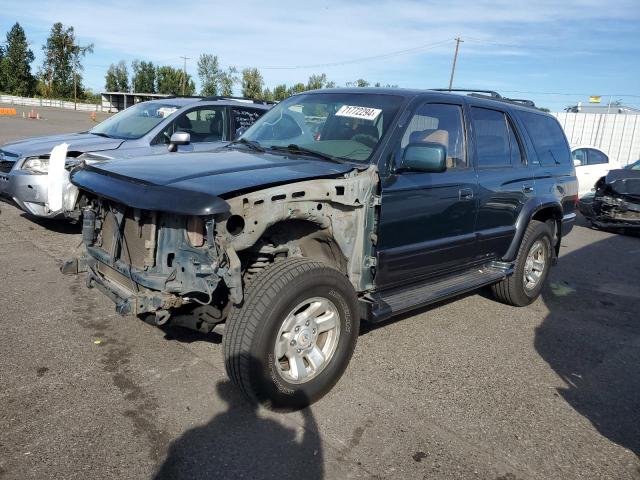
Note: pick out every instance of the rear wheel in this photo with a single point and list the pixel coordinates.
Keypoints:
(294, 335)
(531, 267)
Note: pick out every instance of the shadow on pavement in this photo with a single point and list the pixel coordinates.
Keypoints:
(240, 443)
(591, 337)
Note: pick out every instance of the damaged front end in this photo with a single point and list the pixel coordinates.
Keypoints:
(616, 201)
(185, 255)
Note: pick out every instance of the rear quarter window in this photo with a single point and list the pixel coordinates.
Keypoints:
(548, 139)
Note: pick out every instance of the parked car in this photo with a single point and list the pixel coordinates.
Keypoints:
(616, 201)
(633, 166)
(335, 206)
(145, 128)
(591, 164)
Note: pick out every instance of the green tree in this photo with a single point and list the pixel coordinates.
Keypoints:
(252, 83)
(358, 83)
(117, 78)
(317, 82)
(143, 77)
(267, 95)
(61, 57)
(297, 88)
(210, 74)
(15, 64)
(280, 92)
(227, 81)
(1, 69)
(170, 81)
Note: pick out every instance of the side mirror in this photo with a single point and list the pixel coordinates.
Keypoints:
(424, 157)
(178, 138)
(576, 162)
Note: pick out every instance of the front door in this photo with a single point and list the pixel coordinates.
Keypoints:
(427, 219)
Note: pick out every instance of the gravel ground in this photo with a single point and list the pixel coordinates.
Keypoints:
(466, 389)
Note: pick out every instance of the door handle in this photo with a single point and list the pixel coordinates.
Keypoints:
(527, 188)
(465, 194)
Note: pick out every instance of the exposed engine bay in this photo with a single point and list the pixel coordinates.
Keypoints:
(616, 201)
(193, 268)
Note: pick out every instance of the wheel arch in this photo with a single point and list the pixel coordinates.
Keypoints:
(542, 209)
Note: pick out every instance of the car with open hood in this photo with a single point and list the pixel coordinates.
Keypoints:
(145, 128)
(337, 205)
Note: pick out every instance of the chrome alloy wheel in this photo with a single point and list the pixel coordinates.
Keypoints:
(307, 340)
(535, 264)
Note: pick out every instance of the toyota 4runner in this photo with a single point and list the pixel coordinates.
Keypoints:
(335, 206)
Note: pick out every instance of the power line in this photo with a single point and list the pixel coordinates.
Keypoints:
(359, 60)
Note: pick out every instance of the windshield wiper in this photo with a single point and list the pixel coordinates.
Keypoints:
(100, 134)
(249, 143)
(293, 148)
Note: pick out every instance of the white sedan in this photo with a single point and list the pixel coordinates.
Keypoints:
(591, 163)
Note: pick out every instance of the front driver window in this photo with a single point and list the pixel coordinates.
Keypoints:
(441, 124)
(202, 124)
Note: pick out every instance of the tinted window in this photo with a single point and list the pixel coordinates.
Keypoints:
(441, 124)
(517, 156)
(492, 137)
(548, 139)
(243, 118)
(580, 155)
(202, 124)
(597, 157)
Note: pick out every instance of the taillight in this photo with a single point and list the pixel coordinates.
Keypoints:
(195, 231)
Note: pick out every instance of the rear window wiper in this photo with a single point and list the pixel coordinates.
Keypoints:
(249, 143)
(293, 148)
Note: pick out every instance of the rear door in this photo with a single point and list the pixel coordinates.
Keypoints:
(427, 219)
(504, 181)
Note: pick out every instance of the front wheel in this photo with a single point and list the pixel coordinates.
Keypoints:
(292, 338)
(531, 267)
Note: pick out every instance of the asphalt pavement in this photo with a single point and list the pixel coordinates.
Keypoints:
(469, 388)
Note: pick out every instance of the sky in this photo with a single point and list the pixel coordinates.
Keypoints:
(555, 52)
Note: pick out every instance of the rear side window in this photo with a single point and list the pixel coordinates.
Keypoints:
(596, 157)
(243, 118)
(492, 135)
(548, 139)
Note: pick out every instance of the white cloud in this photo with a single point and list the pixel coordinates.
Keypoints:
(287, 32)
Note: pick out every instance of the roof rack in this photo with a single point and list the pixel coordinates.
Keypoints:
(490, 95)
(238, 99)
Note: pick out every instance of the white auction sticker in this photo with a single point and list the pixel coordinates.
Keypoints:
(365, 113)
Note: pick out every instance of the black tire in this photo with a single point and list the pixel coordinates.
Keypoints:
(251, 331)
(512, 290)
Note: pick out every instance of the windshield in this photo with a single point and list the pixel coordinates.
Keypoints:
(342, 125)
(135, 121)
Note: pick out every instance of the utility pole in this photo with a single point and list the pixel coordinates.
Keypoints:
(455, 58)
(184, 74)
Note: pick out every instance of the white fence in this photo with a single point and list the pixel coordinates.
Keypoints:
(618, 135)
(46, 102)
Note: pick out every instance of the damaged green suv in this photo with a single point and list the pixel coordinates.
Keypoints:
(337, 205)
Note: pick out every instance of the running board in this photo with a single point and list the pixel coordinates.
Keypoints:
(387, 303)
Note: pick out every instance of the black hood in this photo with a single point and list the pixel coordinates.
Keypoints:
(624, 182)
(194, 183)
